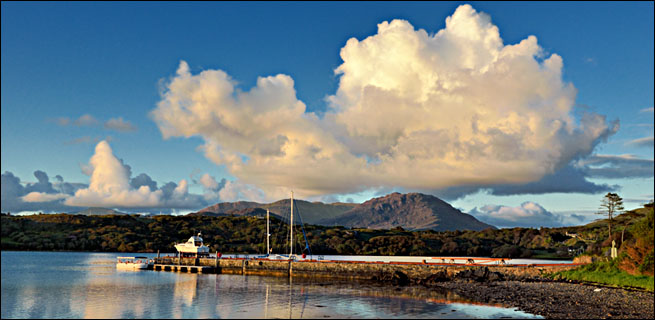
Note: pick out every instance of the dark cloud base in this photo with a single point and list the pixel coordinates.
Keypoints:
(566, 180)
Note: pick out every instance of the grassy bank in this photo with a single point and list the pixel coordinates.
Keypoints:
(634, 266)
(606, 273)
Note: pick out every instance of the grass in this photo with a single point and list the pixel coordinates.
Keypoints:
(545, 254)
(607, 273)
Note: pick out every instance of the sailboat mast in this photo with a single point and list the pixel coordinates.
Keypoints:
(291, 227)
(268, 235)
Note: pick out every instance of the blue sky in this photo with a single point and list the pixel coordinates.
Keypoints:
(61, 61)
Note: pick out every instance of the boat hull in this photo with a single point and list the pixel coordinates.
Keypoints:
(189, 249)
(131, 266)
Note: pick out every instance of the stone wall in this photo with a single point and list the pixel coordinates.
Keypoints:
(406, 272)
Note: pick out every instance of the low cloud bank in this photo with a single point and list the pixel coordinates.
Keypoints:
(111, 186)
(528, 215)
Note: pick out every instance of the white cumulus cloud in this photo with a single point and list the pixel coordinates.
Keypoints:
(43, 197)
(412, 110)
(110, 184)
(208, 182)
(528, 214)
(211, 187)
(236, 190)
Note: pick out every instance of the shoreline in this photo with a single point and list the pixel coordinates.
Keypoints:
(556, 299)
(551, 299)
(525, 288)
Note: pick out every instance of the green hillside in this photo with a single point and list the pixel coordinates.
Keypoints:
(633, 235)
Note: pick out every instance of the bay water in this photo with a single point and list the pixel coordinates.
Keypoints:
(87, 285)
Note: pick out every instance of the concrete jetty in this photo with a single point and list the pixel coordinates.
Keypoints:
(183, 268)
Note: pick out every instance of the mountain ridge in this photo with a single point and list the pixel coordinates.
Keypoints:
(411, 211)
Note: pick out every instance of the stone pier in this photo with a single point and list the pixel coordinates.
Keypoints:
(414, 272)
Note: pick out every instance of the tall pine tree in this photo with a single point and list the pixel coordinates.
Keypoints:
(610, 205)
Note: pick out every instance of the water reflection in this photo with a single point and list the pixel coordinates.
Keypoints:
(87, 285)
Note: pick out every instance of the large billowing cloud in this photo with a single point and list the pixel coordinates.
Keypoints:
(413, 110)
(268, 125)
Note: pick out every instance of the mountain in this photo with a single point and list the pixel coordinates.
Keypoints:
(311, 212)
(251, 212)
(412, 211)
(207, 214)
(223, 207)
(95, 211)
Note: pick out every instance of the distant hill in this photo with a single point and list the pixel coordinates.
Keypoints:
(223, 207)
(311, 212)
(248, 212)
(207, 214)
(412, 211)
(95, 211)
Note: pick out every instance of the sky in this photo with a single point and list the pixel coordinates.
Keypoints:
(520, 113)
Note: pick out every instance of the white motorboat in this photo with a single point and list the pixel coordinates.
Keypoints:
(132, 263)
(194, 248)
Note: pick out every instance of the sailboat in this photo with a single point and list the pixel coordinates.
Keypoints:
(268, 237)
(290, 256)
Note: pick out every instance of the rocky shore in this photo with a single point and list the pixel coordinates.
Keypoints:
(557, 300)
(552, 299)
(536, 295)
(526, 288)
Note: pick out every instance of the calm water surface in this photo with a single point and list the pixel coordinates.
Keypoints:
(87, 285)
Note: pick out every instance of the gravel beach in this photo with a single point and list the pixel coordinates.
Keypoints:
(558, 300)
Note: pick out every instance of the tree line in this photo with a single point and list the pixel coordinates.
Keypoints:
(240, 234)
